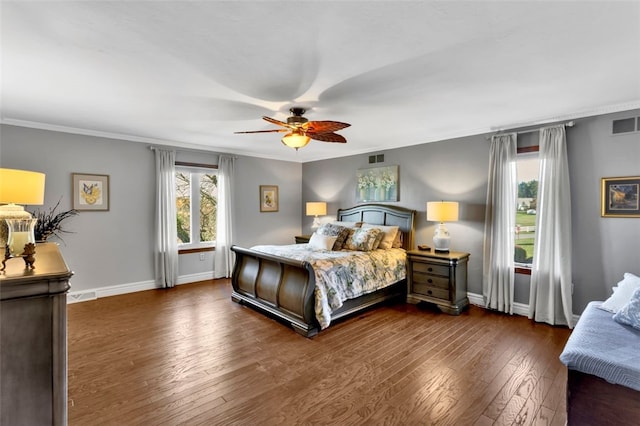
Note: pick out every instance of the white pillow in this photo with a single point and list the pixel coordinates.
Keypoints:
(321, 242)
(390, 233)
(622, 296)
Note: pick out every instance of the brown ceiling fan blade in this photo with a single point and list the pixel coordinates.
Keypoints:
(264, 131)
(324, 126)
(276, 122)
(327, 137)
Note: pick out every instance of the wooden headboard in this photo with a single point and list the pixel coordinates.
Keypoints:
(380, 214)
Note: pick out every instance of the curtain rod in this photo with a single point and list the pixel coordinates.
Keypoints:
(153, 148)
(522, 132)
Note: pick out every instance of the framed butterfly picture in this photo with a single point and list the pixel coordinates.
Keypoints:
(90, 192)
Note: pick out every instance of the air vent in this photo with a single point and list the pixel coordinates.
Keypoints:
(376, 159)
(625, 125)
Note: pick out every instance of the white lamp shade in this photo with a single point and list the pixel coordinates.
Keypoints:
(442, 211)
(316, 208)
(21, 187)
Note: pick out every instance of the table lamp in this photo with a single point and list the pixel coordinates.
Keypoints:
(316, 208)
(16, 224)
(442, 211)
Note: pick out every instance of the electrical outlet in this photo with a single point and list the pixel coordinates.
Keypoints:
(202, 256)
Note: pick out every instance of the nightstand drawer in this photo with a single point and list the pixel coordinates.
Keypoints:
(430, 268)
(431, 280)
(426, 290)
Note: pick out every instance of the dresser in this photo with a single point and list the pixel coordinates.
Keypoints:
(33, 340)
(439, 279)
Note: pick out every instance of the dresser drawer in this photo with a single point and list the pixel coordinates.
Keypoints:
(427, 290)
(430, 268)
(431, 280)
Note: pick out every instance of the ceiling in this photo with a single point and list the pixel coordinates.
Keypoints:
(190, 74)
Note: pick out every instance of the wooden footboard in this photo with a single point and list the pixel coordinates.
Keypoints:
(279, 286)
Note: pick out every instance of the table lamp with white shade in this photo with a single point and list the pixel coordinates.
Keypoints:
(316, 208)
(19, 187)
(442, 211)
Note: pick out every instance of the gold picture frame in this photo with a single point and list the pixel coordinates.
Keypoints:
(620, 197)
(90, 192)
(269, 200)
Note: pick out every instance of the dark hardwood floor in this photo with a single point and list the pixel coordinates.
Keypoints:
(190, 355)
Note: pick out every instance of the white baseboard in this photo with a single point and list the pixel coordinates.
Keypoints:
(518, 308)
(115, 290)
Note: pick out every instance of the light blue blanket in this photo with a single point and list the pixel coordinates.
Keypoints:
(604, 348)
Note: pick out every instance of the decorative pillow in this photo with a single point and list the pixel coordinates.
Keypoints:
(389, 236)
(629, 314)
(621, 297)
(321, 242)
(333, 230)
(363, 239)
(397, 243)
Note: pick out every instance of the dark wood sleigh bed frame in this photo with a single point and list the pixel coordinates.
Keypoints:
(285, 288)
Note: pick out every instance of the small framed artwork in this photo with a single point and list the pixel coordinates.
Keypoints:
(268, 198)
(90, 192)
(620, 197)
(377, 184)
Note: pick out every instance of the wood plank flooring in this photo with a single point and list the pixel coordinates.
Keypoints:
(190, 355)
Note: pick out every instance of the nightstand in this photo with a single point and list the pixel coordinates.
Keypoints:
(302, 239)
(438, 278)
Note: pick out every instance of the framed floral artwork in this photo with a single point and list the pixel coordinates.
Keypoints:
(268, 198)
(90, 192)
(377, 184)
(620, 197)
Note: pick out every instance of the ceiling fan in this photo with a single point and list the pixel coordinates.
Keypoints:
(300, 130)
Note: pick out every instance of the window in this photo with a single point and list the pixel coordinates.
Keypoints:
(527, 169)
(196, 202)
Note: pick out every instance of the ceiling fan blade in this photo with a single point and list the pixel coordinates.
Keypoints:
(324, 126)
(264, 131)
(327, 137)
(276, 122)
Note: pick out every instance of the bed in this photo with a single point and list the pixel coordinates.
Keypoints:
(285, 288)
(603, 362)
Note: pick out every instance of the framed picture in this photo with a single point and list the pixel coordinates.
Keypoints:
(377, 184)
(90, 192)
(620, 197)
(268, 198)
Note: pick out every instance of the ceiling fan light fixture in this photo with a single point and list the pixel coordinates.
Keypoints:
(295, 140)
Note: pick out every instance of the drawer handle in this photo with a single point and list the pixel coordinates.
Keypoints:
(430, 281)
(429, 292)
(430, 269)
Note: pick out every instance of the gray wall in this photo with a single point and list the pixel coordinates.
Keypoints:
(115, 247)
(455, 170)
(603, 248)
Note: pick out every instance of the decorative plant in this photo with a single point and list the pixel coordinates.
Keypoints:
(50, 223)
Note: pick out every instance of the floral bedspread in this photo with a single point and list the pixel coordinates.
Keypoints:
(342, 275)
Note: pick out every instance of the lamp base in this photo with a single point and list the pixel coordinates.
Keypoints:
(316, 223)
(28, 255)
(441, 239)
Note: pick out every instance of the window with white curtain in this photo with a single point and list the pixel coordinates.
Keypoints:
(196, 205)
(527, 172)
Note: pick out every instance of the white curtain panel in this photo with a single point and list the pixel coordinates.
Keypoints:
(498, 266)
(223, 259)
(550, 294)
(166, 242)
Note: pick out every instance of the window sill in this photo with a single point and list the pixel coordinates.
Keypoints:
(522, 269)
(196, 250)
